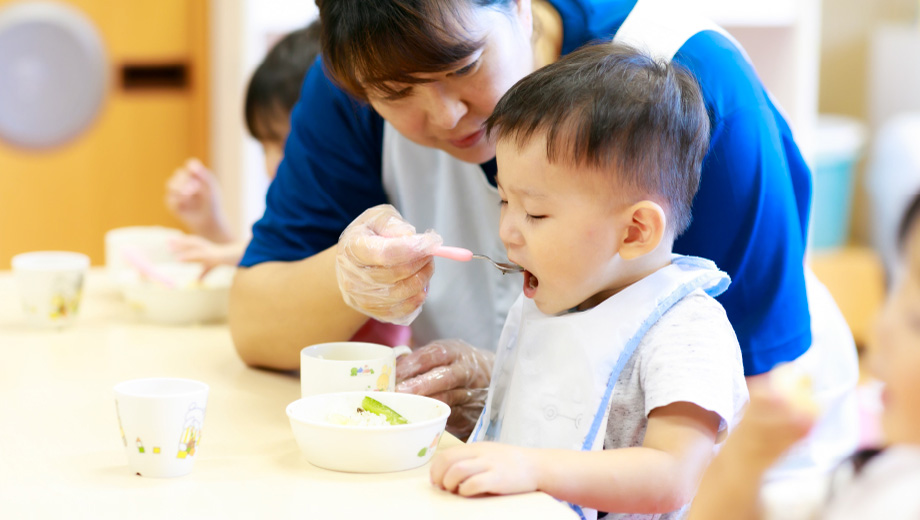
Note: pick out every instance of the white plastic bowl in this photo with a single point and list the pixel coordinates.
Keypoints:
(361, 449)
(190, 301)
(150, 241)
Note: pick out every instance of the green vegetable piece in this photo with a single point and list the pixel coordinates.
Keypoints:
(375, 406)
(422, 452)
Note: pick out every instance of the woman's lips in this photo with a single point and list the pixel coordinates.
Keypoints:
(468, 141)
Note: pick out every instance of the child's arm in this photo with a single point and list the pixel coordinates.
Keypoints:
(658, 477)
(777, 417)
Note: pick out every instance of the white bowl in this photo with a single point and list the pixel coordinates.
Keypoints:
(367, 449)
(190, 301)
(152, 242)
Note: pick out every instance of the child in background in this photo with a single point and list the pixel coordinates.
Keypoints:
(884, 486)
(617, 374)
(193, 194)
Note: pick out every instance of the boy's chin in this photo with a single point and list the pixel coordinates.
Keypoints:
(550, 308)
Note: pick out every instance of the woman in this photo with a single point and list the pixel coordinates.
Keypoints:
(401, 123)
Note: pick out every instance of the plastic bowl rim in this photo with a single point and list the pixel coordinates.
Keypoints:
(348, 427)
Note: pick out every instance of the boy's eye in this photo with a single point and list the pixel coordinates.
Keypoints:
(535, 217)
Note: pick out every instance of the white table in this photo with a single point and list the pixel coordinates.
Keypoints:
(61, 454)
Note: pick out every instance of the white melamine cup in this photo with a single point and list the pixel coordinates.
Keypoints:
(161, 421)
(348, 365)
(50, 285)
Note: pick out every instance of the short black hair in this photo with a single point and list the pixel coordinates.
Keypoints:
(611, 107)
(368, 43)
(275, 85)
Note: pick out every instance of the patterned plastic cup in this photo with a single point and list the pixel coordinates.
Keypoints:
(50, 285)
(348, 365)
(160, 421)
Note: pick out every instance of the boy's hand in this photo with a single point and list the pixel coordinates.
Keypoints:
(383, 266)
(485, 467)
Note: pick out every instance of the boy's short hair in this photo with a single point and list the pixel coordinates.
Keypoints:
(274, 87)
(368, 43)
(611, 107)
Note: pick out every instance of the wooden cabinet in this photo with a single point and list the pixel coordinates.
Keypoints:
(856, 279)
(114, 173)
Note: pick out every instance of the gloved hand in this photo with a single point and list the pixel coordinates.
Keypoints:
(383, 266)
(451, 371)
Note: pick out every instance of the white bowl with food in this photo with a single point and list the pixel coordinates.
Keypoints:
(343, 431)
(186, 298)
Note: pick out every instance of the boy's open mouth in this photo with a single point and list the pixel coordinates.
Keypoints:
(530, 284)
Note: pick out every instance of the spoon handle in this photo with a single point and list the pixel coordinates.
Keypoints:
(454, 253)
(146, 267)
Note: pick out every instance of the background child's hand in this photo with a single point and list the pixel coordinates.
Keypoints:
(383, 266)
(782, 411)
(193, 196)
(485, 467)
(191, 248)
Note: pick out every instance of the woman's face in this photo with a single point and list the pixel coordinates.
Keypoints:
(896, 356)
(448, 112)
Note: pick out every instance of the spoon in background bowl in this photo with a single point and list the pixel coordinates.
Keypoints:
(144, 266)
(465, 255)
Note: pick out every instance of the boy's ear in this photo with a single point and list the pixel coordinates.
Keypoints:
(645, 230)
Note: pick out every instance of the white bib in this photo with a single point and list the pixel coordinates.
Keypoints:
(554, 375)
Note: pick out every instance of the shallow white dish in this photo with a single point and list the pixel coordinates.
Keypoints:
(190, 301)
(363, 449)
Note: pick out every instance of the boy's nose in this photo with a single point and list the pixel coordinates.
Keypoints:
(508, 232)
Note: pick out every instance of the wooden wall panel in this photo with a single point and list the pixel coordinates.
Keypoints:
(114, 173)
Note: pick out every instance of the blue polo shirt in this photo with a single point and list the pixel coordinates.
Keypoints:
(750, 215)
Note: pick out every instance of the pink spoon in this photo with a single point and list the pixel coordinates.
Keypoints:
(140, 262)
(465, 255)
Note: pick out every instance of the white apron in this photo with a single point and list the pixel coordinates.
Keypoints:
(554, 375)
(432, 190)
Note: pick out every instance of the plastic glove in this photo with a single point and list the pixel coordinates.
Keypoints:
(383, 266)
(486, 467)
(193, 195)
(451, 371)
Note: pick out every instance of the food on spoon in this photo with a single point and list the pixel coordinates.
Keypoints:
(374, 406)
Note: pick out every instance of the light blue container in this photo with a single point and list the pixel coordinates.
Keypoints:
(840, 142)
